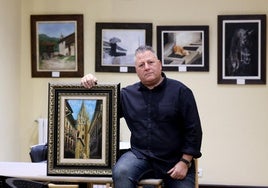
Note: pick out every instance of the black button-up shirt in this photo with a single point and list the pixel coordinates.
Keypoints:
(164, 121)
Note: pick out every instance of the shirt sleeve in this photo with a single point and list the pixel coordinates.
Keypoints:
(192, 125)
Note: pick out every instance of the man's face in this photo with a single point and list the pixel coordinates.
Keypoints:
(148, 68)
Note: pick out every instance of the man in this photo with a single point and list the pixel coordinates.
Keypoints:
(163, 119)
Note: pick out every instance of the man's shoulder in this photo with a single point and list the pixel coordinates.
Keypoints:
(131, 87)
(176, 83)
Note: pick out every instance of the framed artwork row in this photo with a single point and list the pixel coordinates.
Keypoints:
(57, 47)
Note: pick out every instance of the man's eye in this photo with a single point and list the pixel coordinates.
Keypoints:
(141, 65)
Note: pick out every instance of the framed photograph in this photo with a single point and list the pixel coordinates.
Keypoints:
(241, 49)
(116, 44)
(183, 48)
(83, 129)
(57, 45)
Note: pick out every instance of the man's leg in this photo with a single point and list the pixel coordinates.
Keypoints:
(128, 170)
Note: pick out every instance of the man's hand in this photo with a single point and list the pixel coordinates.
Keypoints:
(88, 81)
(179, 171)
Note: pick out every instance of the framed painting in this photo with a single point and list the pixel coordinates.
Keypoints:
(241, 49)
(183, 48)
(83, 129)
(116, 44)
(57, 45)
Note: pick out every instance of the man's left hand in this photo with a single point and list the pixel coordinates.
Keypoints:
(179, 171)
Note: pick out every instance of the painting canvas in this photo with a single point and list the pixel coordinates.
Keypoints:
(83, 129)
(56, 45)
(116, 44)
(242, 49)
(119, 46)
(183, 48)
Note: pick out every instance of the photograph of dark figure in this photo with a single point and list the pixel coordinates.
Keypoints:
(241, 49)
(118, 46)
(115, 49)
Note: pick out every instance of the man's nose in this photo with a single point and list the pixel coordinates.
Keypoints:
(146, 65)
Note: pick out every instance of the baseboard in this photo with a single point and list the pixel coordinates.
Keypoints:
(229, 186)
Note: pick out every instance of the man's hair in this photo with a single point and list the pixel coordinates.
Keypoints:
(144, 48)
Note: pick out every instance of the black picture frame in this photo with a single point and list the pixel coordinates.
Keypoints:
(111, 57)
(83, 129)
(184, 47)
(242, 49)
(57, 45)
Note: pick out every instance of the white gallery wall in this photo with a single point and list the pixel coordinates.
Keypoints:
(234, 117)
(10, 80)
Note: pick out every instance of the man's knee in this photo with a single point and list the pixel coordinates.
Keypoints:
(120, 170)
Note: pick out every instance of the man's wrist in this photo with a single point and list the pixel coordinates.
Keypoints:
(188, 163)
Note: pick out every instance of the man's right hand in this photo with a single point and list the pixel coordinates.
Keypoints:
(88, 81)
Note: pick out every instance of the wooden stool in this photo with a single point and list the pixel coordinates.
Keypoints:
(108, 183)
(105, 181)
(156, 182)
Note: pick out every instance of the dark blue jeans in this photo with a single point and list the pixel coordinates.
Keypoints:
(129, 170)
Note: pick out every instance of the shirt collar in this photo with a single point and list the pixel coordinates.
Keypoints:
(161, 85)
